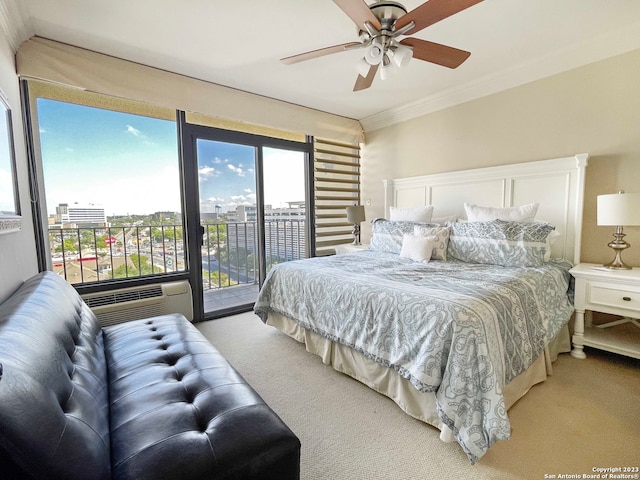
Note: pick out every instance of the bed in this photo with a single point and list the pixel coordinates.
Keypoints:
(454, 340)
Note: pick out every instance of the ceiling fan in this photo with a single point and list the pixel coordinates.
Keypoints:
(379, 26)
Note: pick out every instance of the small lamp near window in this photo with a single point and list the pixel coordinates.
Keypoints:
(356, 216)
(619, 209)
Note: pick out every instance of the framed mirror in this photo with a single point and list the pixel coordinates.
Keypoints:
(10, 219)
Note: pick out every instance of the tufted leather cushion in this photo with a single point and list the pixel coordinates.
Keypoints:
(179, 410)
(54, 403)
(144, 399)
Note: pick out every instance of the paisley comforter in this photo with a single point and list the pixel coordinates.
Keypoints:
(457, 329)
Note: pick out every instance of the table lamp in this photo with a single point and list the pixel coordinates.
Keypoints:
(618, 209)
(355, 215)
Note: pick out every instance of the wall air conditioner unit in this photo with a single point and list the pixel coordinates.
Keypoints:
(117, 306)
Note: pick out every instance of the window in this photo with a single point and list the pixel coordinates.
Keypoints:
(110, 186)
(114, 197)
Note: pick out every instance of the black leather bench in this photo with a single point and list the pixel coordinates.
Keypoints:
(149, 398)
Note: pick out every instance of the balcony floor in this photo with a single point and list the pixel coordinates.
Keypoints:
(229, 297)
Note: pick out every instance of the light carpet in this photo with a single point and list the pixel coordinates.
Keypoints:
(585, 416)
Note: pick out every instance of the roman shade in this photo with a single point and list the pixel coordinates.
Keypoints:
(42, 59)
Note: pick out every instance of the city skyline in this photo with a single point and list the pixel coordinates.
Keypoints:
(129, 164)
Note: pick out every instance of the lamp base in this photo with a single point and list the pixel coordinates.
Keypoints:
(618, 245)
(356, 234)
(616, 265)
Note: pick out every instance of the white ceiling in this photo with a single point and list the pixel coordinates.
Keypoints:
(238, 44)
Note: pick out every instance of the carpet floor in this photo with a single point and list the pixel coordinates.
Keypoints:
(584, 417)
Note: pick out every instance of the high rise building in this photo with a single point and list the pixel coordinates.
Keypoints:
(77, 215)
(285, 229)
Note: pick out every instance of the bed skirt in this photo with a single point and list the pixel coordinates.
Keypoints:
(386, 381)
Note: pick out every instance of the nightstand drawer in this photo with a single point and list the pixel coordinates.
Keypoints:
(613, 296)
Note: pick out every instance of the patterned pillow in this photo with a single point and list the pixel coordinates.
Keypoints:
(441, 235)
(525, 213)
(387, 236)
(510, 244)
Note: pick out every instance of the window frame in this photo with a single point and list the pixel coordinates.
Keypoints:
(36, 177)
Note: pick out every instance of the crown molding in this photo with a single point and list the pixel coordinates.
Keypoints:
(15, 22)
(598, 48)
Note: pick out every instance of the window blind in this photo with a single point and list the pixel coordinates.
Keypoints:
(336, 187)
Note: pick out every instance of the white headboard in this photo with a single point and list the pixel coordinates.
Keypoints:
(557, 185)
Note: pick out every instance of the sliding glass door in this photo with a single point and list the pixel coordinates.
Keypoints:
(228, 217)
(247, 210)
(285, 206)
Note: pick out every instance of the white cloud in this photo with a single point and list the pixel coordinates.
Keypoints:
(134, 131)
(242, 200)
(207, 172)
(237, 170)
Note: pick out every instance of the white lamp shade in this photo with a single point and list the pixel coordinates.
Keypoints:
(374, 54)
(387, 70)
(402, 56)
(355, 214)
(619, 209)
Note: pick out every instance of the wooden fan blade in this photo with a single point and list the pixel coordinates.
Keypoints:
(363, 83)
(431, 12)
(359, 12)
(319, 53)
(436, 53)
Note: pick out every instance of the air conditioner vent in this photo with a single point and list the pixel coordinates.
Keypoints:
(133, 303)
(124, 296)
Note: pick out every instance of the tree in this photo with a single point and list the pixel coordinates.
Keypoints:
(136, 266)
(217, 278)
(69, 244)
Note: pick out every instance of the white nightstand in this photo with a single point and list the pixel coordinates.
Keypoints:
(608, 291)
(349, 247)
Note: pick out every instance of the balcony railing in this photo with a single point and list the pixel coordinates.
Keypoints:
(86, 255)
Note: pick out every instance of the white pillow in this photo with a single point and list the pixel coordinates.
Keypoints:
(417, 248)
(417, 214)
(524, 213)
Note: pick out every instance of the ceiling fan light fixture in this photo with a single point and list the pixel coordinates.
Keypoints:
(374, 54)
(388, 68)
(402, 56)
(379, 26)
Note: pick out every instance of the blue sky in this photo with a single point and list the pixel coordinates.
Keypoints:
(129, 164)
(227, 176)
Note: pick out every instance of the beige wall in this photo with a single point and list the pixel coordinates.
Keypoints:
(593, 109)
(17, 250)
